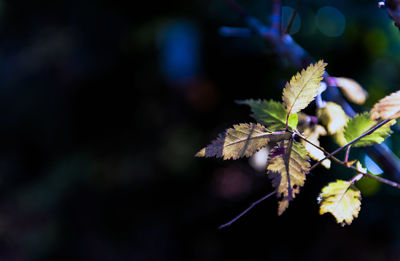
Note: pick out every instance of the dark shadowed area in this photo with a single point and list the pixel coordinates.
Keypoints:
(105, 103)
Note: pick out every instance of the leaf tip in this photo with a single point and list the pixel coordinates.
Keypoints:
(321, 63)
(201, 153)
(282, 206)
(241, 102)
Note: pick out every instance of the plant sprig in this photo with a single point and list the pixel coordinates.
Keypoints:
(288, 160)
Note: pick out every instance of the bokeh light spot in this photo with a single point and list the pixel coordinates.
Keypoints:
(330, 21)
(259, 160)
(369, 187)
(376, 42)
(372, 166)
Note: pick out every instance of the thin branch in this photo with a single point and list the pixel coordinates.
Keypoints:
(286, 47)
(316, 146)
(320, 148)
(351, 142)
(247, 210)
(383, 180)
(291, 22)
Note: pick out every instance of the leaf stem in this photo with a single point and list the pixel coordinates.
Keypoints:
(346, 158)
(356, 177)
(287, 165)
(351, 142)
(287, 122)
(247, 210)
(287, 47)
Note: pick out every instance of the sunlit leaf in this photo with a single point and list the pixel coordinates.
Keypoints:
(303, 87)
(241, 140)
(387, 108)
(287, 168)
(333, 117)
(339, 138)
(270, 113)
(312, 134)
(360, 167)
(342, 200)
(360, 124)
(352, 90)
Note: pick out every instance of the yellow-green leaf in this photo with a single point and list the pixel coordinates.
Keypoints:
(339, 138)
(342, 200)
(288, 164)
(387, 108)
(303, 87)
(362, 123)
(241, 140)
(333, 117)
(312, 134)
(271, 113)
(352, 90)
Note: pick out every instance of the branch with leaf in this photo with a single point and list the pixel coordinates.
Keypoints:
(293, 140)
(287, 48)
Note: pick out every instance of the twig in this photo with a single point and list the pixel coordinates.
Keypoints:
(300, 59)
(383, 180)
(351, 142)
(346, 158)
(247, 210)
(291, 22)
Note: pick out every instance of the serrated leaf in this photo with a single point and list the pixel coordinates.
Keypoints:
(303, 88)
(287, 168)
(387, 108)
(333, 117)
(270, 113)
(360, 124)
(241, 140)
(352, 90)
(312, 133)
(342, 200)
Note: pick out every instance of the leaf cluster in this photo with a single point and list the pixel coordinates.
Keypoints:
(292, 138)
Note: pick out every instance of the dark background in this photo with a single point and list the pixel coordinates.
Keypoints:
(104, 104)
